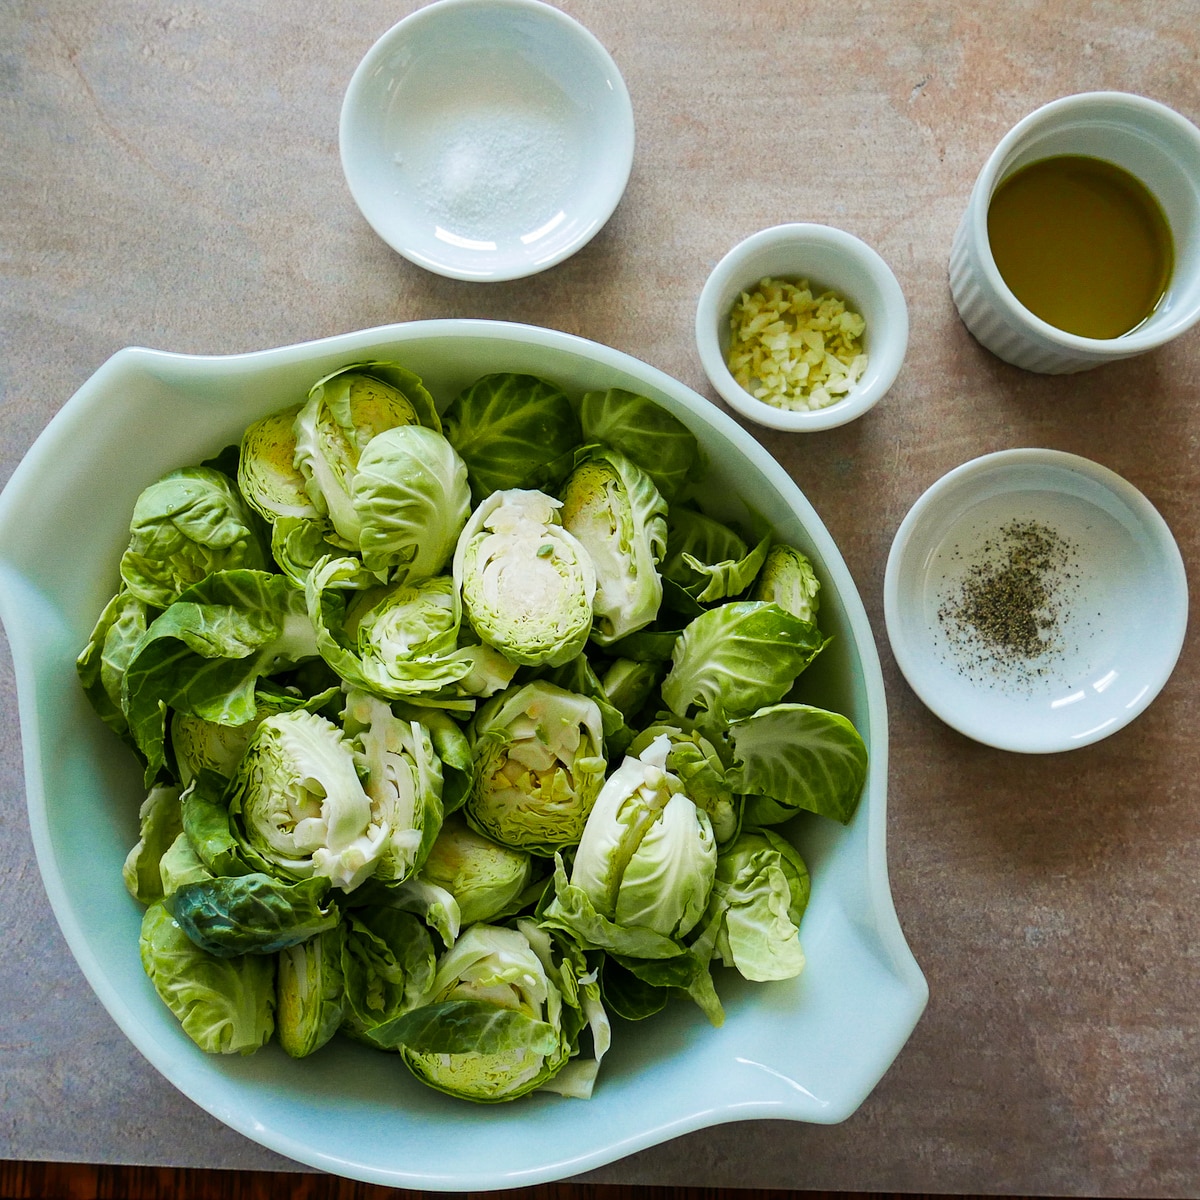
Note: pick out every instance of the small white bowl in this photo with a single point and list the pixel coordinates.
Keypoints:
(487, 139)
(1120, 602)
(827, 258)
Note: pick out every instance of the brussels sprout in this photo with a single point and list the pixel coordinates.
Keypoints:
(161, 823)
(505, 1014)
(643, 431)
(695, 760)
(309, 992)
(616, 512)
(527, 585)
(104, 660)
(403, 778)
(189, 524)
(539, 765)
(387, 966)
(397, 640)
(629, 685)
(513, 431)
(647, 856)
(759, 895)
(465, 878)
(787, 578)
(300, 805)
(299, 543)
(789, 758)
(225, 1005)
(343, 413)
(180, 864)
(267, 475)
(412, 499)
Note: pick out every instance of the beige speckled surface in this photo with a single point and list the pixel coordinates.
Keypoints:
(170, 178)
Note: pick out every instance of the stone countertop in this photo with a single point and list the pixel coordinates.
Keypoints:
(171, 179)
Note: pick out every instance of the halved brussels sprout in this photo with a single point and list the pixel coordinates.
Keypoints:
(614, 509)
(527, 585)
(412, 499)
(539, 765)
(506, 1010)
(267, 476)
(403, 777)
(788, 579)
(161, 822)
(399, 640)
(388, 962)
(465, 878)
(309, 992)
(647, 856)
(343, 413)
(300, 805)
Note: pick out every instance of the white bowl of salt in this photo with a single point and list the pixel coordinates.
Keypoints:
(487, 139)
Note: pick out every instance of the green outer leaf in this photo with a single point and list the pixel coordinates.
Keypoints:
(251, 914)
(802, 758)
(643, 431)
(161, 824)
(185, 526)
(689, 975)
(204, 654)
(734, 659)
(627, 995)
(512, 431)
(467, 1027)
(206, 824)
(105, 658)
(225, 1005)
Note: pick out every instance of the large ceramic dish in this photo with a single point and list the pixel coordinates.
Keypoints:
(808, 1050)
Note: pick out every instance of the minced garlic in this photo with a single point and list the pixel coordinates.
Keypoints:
(793, 350)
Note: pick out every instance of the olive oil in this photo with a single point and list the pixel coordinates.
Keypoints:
(1082, 244)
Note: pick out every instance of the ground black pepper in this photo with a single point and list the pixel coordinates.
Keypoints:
(1006, 611)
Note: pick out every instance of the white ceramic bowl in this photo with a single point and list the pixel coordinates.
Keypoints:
(1120, 597)
(827, 258)
(487, 139)
(1148, 139)
(810, 1049)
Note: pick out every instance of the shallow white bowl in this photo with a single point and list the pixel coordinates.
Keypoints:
(810, 1049)
(827, 258)
(487, 139)
(1123, 609)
